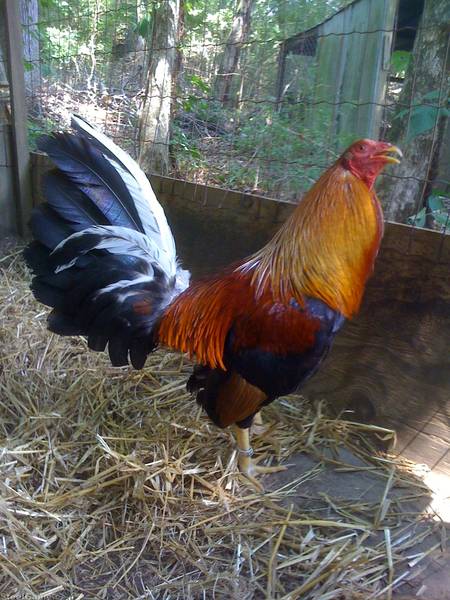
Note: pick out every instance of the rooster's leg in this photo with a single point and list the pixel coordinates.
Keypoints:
(258, 427)
(247, 465)
(257, 419)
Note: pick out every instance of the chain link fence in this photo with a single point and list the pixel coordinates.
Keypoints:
(251, 97)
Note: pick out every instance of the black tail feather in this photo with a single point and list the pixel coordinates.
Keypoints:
(90, 173)
(70, 203)
(103, 256)
(37, 258)
(62, 324)
(47, 226)
(47, 294)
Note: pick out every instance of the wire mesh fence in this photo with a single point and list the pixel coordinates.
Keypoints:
(256, 96)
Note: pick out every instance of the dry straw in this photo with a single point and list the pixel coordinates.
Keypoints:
(113, 485)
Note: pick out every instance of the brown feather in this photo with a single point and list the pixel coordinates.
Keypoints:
(237, 400)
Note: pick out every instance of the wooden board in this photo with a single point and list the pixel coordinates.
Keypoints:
(349, 68)
(8, 213)
(19, 146)
(391, 364)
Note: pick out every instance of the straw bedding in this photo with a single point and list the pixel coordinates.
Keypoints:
(113, 485)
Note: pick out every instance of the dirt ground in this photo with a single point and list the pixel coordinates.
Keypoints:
(432, 579)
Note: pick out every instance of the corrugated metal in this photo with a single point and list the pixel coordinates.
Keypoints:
(348, 72)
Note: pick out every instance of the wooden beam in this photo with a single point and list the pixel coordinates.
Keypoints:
(20, 151)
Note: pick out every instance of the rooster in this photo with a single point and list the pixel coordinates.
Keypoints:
(104, 258)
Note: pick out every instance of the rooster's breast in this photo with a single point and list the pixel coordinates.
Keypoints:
(279, 349)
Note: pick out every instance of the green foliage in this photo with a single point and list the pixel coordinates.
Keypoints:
(36, 129)
(198, 83)
(436, 209)
(400, 60)
(286, 155)
(183, 146)
(69, 32)
(144, 27)
(425, 113)
(439, 212)
(193, 99)
(264, 151)
(48, 4)
(418, 220)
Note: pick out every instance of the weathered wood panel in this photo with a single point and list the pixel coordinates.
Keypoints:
(392, 363)
(350, 70)
(19, 145)
(8, 217)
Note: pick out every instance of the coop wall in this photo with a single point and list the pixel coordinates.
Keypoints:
(344, 83)
(7, 206)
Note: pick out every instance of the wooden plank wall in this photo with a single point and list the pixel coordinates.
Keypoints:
(353, 58)
(8, 218)
(19, 135)
(391, 364)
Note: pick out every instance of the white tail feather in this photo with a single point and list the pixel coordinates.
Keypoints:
(119, 240)
(150, 211)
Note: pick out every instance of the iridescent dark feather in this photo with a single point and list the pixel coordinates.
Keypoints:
(99, 260)
(91, 176)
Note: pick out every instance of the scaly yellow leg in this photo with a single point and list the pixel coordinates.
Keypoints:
(258, 427)
(257, 419)
(247, 466)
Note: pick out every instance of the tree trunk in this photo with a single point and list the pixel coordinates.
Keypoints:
(29, 14)
(154, 129)
(229, 64)
(427, 73)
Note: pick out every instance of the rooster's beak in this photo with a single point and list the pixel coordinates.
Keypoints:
(387, 150)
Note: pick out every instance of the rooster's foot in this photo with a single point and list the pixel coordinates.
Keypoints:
(248, 466)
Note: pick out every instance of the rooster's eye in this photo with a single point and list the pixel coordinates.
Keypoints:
(361, 147)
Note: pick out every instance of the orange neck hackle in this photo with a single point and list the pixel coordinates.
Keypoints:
(326, 249)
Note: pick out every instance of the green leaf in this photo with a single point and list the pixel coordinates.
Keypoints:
(144, 27)
(443, 218)
(400, 60)
(438, 210)
(423, 118)
(433, 95)
(198, 82)
(188, 104)
(418, 220)
(436, 203)
(401, 114)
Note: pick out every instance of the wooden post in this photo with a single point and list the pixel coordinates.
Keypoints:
(20, 152)
(281, 62)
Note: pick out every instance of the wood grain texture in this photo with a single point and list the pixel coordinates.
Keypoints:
(19, 146)
(391, 364)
